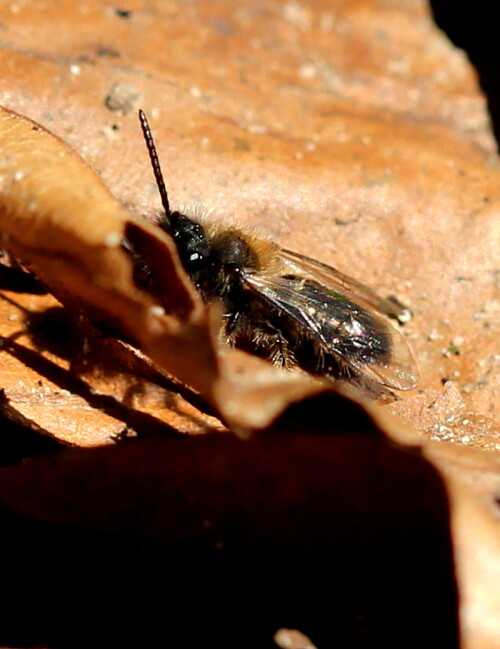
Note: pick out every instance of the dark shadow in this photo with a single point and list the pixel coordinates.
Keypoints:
(357, 567)
(17, 280)
(474, 28)
(21, 439)
(327, 413)
(55, 330)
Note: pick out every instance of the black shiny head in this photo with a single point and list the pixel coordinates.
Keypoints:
(192, 245)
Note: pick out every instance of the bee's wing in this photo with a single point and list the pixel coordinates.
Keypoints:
(358, 337)
(333, 278)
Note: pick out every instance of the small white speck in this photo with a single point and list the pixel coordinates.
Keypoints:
(123, 97)
(110, 133)
(414, 94)
(257, 129)
(113, 239)
(433, 335)
(457, 341)
(75, 69)
(465, 422)
(465, 439)
(307, 71)
(195, 92)
(18, 175)
(326, 22)
(398, 66)
(354, 327)
(194, 256)
(405, 316)
(157, 310)
(299, 15)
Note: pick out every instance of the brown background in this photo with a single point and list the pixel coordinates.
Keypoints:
(355, 133)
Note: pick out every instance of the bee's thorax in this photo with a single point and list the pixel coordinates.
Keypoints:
(213, 262)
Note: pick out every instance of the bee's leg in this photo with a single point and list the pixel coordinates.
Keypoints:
(243, 332)
(281, 354)
(259, 338)
(272, 344)
(232, 320)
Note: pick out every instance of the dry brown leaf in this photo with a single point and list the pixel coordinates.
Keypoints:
(388, 171)
(355, 134)
(443, 415)
(473, 482)
(82, 389)
(357, 171)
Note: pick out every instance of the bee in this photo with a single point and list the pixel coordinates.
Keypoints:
(288, 308)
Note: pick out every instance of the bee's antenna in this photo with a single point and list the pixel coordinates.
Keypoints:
(155, 163)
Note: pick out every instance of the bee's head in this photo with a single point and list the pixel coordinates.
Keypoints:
(191, 241)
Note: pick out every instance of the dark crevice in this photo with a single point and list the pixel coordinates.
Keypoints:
(474, 28)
